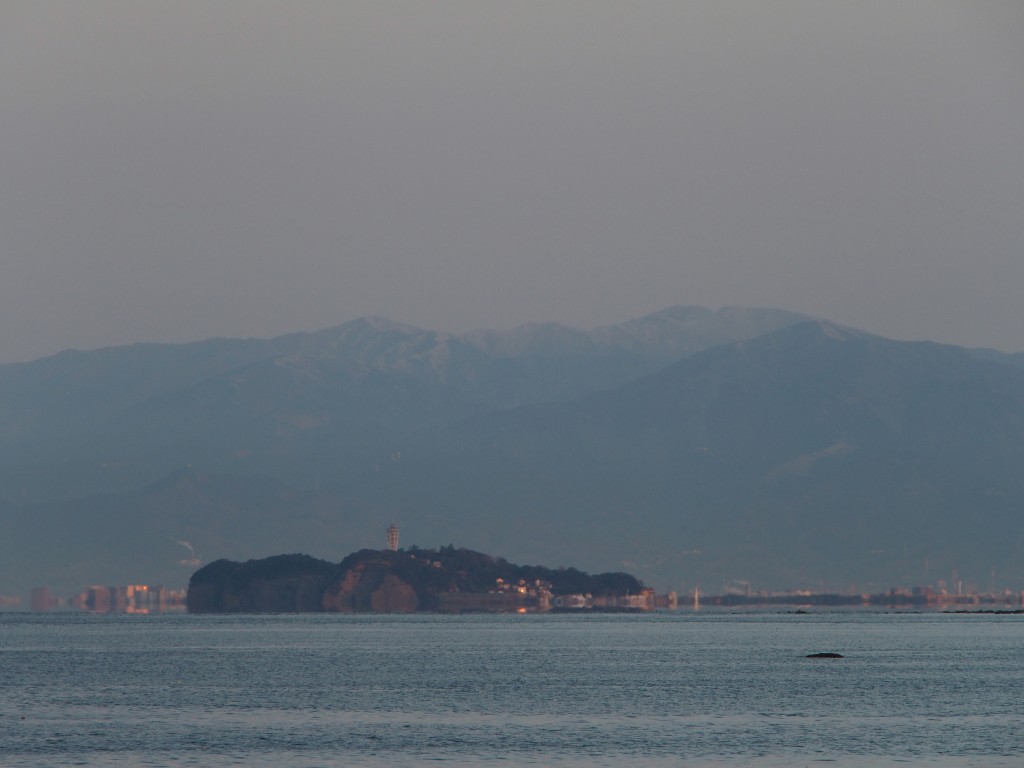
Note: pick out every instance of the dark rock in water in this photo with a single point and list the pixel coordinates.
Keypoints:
(825, 656)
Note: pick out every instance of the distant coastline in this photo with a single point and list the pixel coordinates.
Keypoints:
(916, 597)
(283, 584)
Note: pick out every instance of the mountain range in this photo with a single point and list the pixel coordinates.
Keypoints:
(689, 447)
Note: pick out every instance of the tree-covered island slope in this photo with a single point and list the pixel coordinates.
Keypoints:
(385, 581)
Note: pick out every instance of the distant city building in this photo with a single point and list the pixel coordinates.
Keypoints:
(131, 598)
(393, 537)
(42, 600)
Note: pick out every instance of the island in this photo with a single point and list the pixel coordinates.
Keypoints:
(444, 580)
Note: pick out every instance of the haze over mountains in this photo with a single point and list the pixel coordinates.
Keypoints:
(688, 446)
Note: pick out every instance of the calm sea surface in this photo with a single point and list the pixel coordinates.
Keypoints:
(657, 690)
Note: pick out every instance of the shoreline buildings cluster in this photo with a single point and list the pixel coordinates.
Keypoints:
(131, 598)
(537, 597)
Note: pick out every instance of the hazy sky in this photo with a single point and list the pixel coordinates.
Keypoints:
(176, 170)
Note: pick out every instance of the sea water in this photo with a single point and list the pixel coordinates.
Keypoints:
(672, 689)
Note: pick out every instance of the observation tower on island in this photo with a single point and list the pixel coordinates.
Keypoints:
(393, 537)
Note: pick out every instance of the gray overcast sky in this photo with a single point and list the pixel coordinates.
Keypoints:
(171, 171)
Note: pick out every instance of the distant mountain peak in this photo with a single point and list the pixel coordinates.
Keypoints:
(680, 331)
(379, 324)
